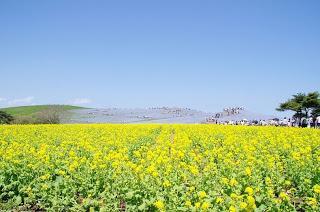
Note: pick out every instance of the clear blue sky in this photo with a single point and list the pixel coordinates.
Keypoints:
(199, 54)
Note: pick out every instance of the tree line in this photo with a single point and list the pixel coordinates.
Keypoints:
(305, 106)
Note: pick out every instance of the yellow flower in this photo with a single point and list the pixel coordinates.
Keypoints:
(233, 182)
(283, 196)
(194, 170)
(45, 177)
(192, 188)
(202, 194)
(205, 205)
(188, 203)
(61, 172)
(316, 189)
(243, 205)
(232, 209)
(268, 181)
(166, 183)
(277, 201)
(45, 186)
(160, 157)
(249, 191)
(233, 196)
(251, 201)
(219, 200)
(270, 193)
(248, 171)
(312, 201)
(225, 181)
(198, 204)
(29, 190)
(159, 204)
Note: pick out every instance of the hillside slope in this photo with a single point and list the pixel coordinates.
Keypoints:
(31, 110)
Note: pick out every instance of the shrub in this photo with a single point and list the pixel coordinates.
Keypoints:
(24, 120)
(5, 118)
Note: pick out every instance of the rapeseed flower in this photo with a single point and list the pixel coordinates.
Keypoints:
(159, 204)
(316, 189)
(202, 194)
(218, 167)
(249, 191)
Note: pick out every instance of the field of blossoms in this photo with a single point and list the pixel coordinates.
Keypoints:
(159, 168)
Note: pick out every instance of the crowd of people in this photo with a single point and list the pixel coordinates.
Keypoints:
(219, 118)
(285, 122)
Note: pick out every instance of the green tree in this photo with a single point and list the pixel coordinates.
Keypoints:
(304, 105)
(315, 113)
(312, 104)
(5, 118)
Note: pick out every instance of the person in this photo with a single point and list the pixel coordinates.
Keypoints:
(289, 123)
(318, 122)
(304, 122)
(284, 122)
(309, 122)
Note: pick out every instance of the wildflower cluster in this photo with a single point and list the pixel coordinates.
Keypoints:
(159, 168)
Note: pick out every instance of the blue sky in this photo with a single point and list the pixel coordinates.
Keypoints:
(199, 54)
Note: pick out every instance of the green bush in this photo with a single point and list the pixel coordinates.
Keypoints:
(5, 118)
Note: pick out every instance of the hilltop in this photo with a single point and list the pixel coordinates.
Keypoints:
(33, 109)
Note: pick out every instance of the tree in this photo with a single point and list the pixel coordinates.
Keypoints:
(315, 113)
(294, 104)
(49, 116)
(5, 118)
(311, 103)
(304, 105)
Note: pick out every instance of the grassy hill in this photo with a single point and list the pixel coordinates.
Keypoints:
(31, 110)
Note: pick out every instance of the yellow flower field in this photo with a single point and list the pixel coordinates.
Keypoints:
(159, 168)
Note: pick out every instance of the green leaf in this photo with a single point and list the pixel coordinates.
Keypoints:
(18, 200)
(130, 194)
(142, 207)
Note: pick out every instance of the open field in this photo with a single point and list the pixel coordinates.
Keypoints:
(159, 167)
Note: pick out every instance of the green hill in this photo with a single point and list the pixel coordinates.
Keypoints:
(31, 110)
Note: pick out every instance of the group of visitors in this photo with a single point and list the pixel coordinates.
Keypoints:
(285, 122)
(310, 122)
(229, 117)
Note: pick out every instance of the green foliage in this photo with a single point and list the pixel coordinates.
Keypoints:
(5, 118)
(315, 112)
(31, 110)
(302, 104)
